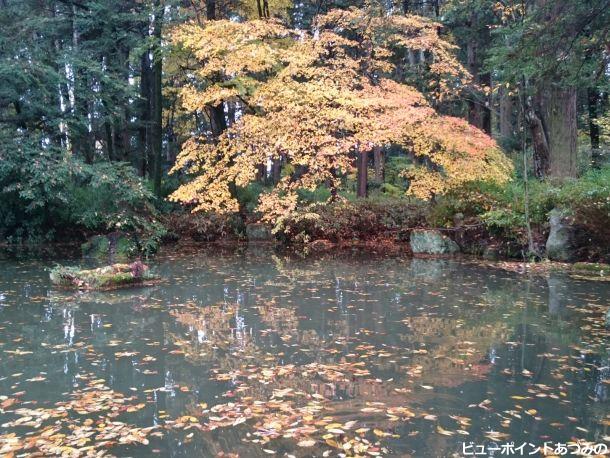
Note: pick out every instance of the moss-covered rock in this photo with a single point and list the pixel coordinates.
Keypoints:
(431, 241)
(108, 277)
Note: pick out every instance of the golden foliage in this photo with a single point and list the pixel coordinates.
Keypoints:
(316, 101)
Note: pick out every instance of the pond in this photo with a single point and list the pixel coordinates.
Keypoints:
(250, 353)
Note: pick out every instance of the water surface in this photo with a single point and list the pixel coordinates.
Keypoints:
(252, 353)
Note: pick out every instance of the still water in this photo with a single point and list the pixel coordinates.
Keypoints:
(248, 353)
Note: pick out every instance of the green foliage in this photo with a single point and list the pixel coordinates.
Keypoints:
(66, 106)
(321, 194)
(96, 247)
(391, 190)
(557, 42)
(33, 180)
(502, 208)
(393, 167)
(108, 196)
(588, 200)
(480, 198)
(248, 196)
(47, 194)
(505, 222)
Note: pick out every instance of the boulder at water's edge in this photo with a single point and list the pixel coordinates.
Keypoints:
(560, 245)
(431, 241)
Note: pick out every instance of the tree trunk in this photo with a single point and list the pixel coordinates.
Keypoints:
(506, 115)
(592, 104)
(276, 170)
(63, 95)
(80, 137)
(216, 113)
(261, 173)
(332, 185)
(218, 123)
(125, 128)
(109, 140)
(556, 107)
(171, 151)
(558, 111)
(437, 7)
(473, 113)
(540, 142)
(231, 113)
(484, 108)
(362, 175)
(210, 10)
(145, 107)
(157, 99)
(479, 111)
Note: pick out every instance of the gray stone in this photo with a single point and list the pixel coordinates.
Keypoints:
(430, 241)
(458, 219)
(492, 253)
(560, 244)
(258, 233)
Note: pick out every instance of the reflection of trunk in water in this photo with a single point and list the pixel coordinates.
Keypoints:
(557, 295)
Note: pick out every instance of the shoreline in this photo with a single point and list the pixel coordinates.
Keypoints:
(321, 249)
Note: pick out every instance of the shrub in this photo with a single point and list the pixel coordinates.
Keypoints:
(588, 201)
(47, 195)
(345, 220)
(205, 227)
(33, 183)
(502, 207)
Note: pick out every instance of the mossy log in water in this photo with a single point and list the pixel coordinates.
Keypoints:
(108, 277)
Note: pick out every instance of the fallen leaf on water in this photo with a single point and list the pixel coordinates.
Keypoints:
(444, 432)
(306, 443)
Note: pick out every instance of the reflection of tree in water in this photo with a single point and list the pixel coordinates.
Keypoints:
(212, 332)
(541, 362)
(279, 319)
(340, 363)
(453, 353)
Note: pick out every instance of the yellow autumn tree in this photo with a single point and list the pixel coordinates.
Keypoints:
(315, 100)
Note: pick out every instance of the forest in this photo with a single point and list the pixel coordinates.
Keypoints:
(312, 123)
